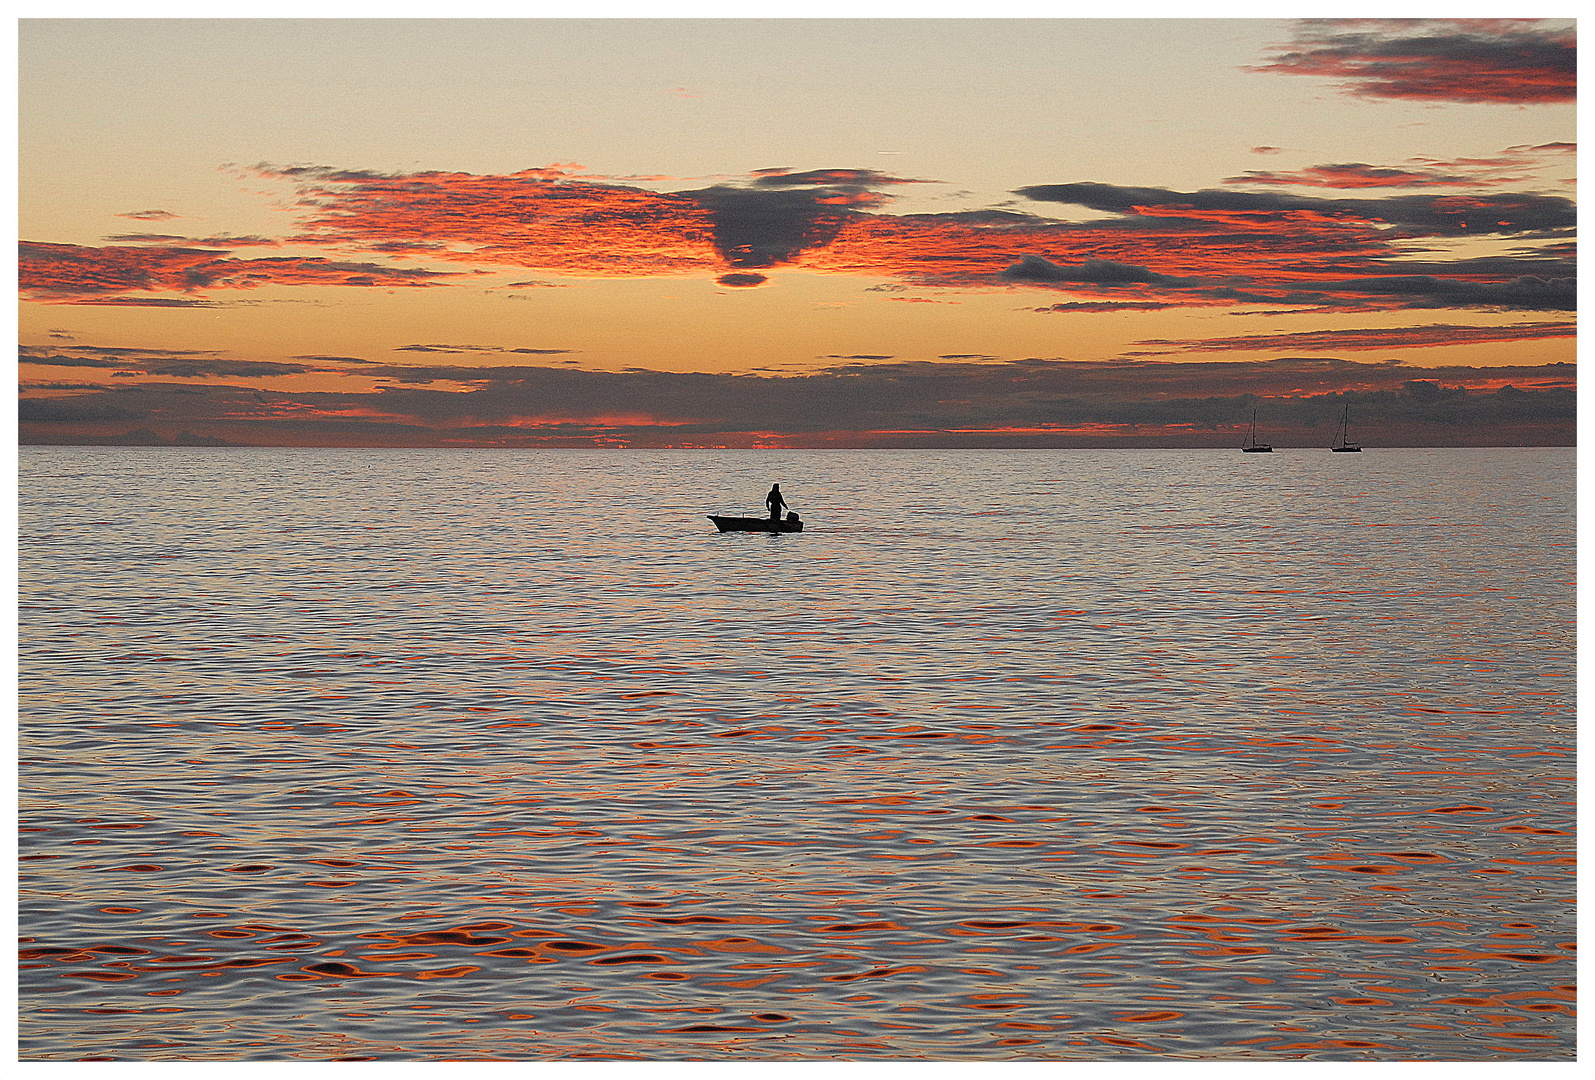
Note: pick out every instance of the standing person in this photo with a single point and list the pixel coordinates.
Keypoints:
(775, 502)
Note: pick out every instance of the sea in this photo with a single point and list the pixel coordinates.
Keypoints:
(1010, 755)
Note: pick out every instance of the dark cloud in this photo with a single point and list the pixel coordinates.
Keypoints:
(1400, 337)
(1418, 215)
(146, 301)
(741, 281)
(176, 363)
(68, 410)
(145, 238)
(111, 350)
(1240, 244)
(756, 228)
(1051, 402)
(850, 180)
(146, 437)
(172, 367)
(224, 241)
(1092, 271)
(1423, 291)
(1110, 305)
(477, 349)
(1521, 61)
(781, 214)
(149, 215)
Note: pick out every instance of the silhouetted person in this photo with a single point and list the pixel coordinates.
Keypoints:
(775, 502)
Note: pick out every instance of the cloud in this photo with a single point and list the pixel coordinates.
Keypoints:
(857, 181)
(182, 363)
(551, 219)
(1546, 148)
(144, 238)
(1109, 305)
(1092, 271)
(134, 301)
(942, 402)
(168, 239)
(1400, 337)
(757, 228)
(1212, 247)
(1418, 215)
(58, 410)
(1356, 174)
(172, 365)
(541, 218)
(1226, 247)
(69, 273)
(1511, 61)
(1513, 165)
(476, 349)
(1423, 291)
(149, 215)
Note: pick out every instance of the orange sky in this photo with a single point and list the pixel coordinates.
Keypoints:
(994, 203)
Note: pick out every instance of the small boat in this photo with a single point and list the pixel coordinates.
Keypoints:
(1251, 445)
(1341, 445)
(792, 523)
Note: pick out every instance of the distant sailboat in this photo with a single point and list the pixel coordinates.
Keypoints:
(1251, 445)
(1341, 445)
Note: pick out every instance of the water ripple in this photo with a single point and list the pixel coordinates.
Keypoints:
(448, 755)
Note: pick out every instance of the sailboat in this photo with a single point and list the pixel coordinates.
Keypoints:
(1251, 445)
(1341, 445)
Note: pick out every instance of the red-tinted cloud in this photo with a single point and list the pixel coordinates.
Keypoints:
(551, 219)
(536, 217)
(69, 273)
(1153, 246)
(1503, 61)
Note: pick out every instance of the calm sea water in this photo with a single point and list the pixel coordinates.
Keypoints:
(474, 755)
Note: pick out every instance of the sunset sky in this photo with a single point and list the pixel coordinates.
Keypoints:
(828, 232)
